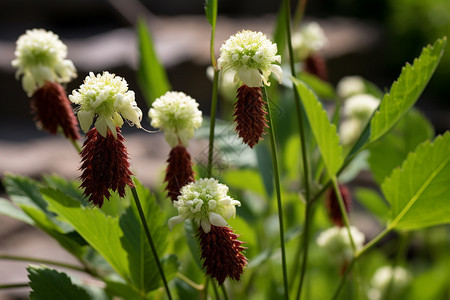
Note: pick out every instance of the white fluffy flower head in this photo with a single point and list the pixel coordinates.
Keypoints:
(40, 57)
(360, 106)
(178, 115)
(107, 98)
(206, 202)
(350, 85)
(382, 279)
(310, 39)
(252, 56)
(336, 242)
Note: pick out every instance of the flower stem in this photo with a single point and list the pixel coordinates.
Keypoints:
(192, 284)
(224, 292)
(305, 241)
(343, 211)
(212, 122)
(278, 191)
(343, 279)
(150, 240)
(75, 145)
(13, 286)
(44, 261)
(216, 291)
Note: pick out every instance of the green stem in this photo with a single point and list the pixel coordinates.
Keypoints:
(224, 292)
(44, 261)
(75, 145)
(204, 295)
(13, 286)
(375, 240)
(299, 11)
(343, 279)
(306, 230)
(192, 284)
(212, 123)
(216, 291)
(278, 192)
(150, 240)
(343, 211)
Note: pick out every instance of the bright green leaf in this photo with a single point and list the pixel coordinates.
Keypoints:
(122, 290)
(324, 132)
(391, 150)
(419, 190)
(49, 284)
(245, 179)
(211, 12)
(151, 74)
(406, 90)
(322, 88)
(8, 209)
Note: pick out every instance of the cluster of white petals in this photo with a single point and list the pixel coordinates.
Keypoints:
(349, 86)
(382, 278)
(107, 98)
(206, 202)
(252, 56)
(308, 40)
(336, 242)
(40, 57)
(178, 115)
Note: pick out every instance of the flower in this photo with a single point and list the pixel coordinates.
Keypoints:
(206, 202)
(41, 57)
(104, 166)
(105, 97)
(309, 40)
(336, 242)
(179, 171)
(360, 106)
(252, 56)
(221, 252)
(178, 115)
(350, 85)
(381, 281)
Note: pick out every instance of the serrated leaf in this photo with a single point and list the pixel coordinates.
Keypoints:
(324, 132)
(391, 150)
(322, 88)
(211, 12)
(151, 74)
(8, 209)
(406, 90)
(419, 190)
(49, 284)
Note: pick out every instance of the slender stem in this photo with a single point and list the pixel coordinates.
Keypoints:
(13, 286)
(204, 295)
(375, 240)
(343, 278)
(343, 211)
(190, 282)
(212, 122)
(216, 291)
(297, 101)
(150, 240)
(299, 11)
(305, 248)
(43, 261)
(278, 191)
(224, 292)
(75, 145)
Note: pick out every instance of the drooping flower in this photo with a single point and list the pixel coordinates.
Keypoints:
(349, 86)
(179, 171)
(335, 241)
(395, 279)
(206, 202)
(221, 252)
(332, 204)
(177, 114)
(41, 57)
(252, 56)
(107, 99)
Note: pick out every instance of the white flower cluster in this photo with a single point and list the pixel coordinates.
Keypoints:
(357, 109)
(308, 40)
(336, 242)
(40, 57)
(382, 278)
(178, 115)
(252, 56)
(206, 202)
(107, 98)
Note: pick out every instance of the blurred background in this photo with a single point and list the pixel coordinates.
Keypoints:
(372, 38)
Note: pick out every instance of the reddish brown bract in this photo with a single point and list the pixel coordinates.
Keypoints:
(316, 65)
(250, 115)
(104, 166)
(52, 109)
(222, 253)
(332, 204)
(179, 171)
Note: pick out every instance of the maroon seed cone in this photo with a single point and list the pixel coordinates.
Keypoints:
(179, 171)
(222, 253)
(104, 166)
(250, 115)
(332, 204)
(52, 109)
(316, 65)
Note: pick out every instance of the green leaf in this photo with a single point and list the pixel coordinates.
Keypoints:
(419, 190)
(391, 150)
(245, 179)
(406, 90)
(324, 132)
(373, 202)
(211, 12)
(122, 290)
(322, 88)
(8, 209)
(279, 33)
(49, 284)
(151, 74)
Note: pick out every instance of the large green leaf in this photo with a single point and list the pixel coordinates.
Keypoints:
(406, 90)
(8, 209)
(324, 132)
(49, 284)
(391, 150)
(419, 190)
(151, 74)
(211, 12)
